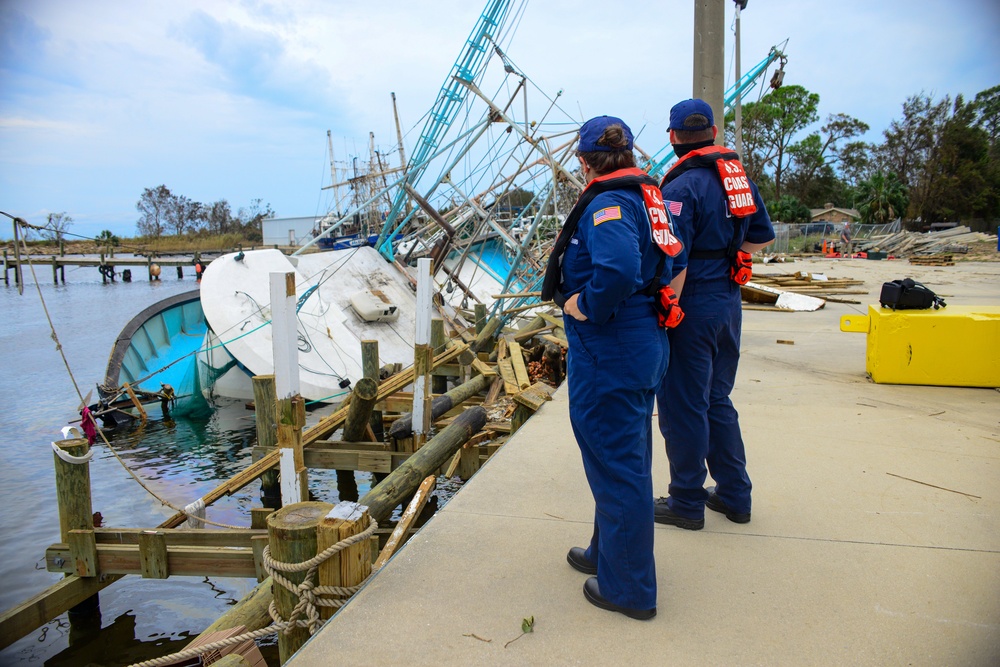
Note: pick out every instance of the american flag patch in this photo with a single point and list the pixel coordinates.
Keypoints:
(673, 206)
(609, 213)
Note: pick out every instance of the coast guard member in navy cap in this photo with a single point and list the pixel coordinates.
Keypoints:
(721, 220)
(600, 272)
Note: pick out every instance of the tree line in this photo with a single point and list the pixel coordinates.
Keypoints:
(939, 162)
(162, 212)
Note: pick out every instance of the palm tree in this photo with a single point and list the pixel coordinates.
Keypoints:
(882, 198)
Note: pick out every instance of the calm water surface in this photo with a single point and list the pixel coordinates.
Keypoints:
(180, 460)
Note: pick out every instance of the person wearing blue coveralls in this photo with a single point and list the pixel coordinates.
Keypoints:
(715, 214)
(617, 357)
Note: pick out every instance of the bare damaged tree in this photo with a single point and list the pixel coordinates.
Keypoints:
(57, 226)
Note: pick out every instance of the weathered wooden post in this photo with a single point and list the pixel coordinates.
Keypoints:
(439, 383)
(423, 356)
(351, 566)
(480, 310)
(104, 276)
(291, 407)
(359, 411)
(291, 534)
(6, 280)
(265, 407)
(355, 428)
(76, 517)
(55, 271)
(553, 360)
(370, 369)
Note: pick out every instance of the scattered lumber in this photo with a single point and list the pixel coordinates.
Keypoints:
(905, 244)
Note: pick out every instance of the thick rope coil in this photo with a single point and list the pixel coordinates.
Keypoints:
(307, 592)
(69, 458)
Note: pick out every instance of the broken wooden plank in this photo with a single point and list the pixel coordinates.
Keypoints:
(535, 396)
(506, 369)
(520, 371)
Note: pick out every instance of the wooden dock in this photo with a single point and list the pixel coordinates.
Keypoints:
(112, 268)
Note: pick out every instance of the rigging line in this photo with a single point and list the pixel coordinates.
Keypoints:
(41, 298)
(336, 347)
(510, 28)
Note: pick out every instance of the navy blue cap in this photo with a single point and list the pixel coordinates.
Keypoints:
(680, 112)
(593, 129)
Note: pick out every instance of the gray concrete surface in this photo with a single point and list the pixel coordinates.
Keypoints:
(845, 561)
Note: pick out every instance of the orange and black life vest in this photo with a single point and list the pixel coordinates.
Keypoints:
(656, 213)
(739, 199)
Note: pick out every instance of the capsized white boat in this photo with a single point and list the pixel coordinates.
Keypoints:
(344, 297)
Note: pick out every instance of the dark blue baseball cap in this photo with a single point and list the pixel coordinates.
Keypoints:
(680, 112)
(591, 131)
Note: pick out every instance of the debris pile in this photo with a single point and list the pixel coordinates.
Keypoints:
(922, 244)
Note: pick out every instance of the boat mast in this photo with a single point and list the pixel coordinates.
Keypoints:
(402, 149)
(334, 181)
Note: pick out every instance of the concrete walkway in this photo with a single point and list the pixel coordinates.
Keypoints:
(875, 537)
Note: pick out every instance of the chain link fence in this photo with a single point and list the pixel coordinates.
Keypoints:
(809, 236)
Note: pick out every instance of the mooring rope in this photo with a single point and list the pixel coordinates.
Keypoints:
(308, 594)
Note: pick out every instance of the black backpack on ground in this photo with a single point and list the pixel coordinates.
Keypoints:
(908, 294)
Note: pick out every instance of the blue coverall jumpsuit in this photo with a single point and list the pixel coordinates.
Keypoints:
(616, 359)
(697, 418)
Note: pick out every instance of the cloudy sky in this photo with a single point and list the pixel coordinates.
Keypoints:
(232, 99)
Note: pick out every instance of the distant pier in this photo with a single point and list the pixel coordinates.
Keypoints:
(111, 268)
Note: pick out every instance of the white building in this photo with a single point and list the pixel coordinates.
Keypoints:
(289, 231)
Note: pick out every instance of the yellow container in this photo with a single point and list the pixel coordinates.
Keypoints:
(956, 346)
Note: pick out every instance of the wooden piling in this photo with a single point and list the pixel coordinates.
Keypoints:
(553, 360)
(291, 418)
(480, 310)
(355, 430)
(265, 408)
(291, 533)
(423, 357)
(402, 481)
(6, 280)
(370, 369)
(351, 566)
(73, 489)
(359, 412)
(76, 512)
(439, 383)
(258, 517)
(55, 271)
